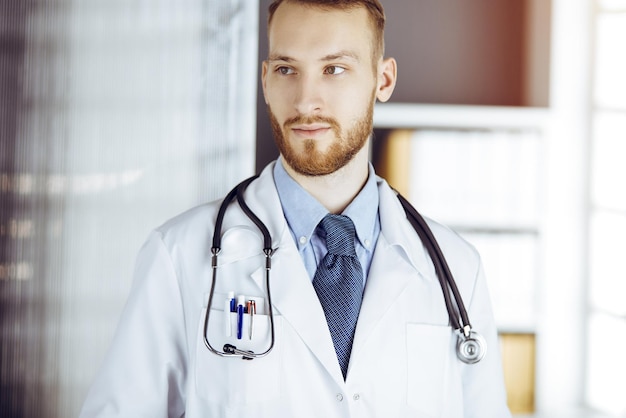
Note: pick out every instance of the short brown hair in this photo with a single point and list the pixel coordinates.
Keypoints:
(373, 7)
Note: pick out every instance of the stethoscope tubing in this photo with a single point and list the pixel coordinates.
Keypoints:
(469, 340)
(442, 269)
(237, 192)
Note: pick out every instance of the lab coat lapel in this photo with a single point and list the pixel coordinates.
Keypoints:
(293, 296)
(389, 276)
(399, 259)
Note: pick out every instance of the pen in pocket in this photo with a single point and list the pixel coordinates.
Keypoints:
(229, 306)
(251, 308)
(240, 312)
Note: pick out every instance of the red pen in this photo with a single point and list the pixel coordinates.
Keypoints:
(251, 307)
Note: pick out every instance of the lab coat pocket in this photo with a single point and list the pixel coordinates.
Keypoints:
(428, 350)
(232, 380)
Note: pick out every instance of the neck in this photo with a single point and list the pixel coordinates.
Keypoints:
(335, 191)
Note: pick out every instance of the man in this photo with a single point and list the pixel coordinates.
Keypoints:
(392, 353)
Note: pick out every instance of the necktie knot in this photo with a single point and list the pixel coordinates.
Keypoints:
(340, 235)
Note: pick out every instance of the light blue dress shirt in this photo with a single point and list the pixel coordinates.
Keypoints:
(303, 213)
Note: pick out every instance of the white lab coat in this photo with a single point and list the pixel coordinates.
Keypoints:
(403, 361)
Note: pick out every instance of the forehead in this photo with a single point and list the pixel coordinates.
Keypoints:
(298, 30)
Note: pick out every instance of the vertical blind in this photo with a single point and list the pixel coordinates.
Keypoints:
(114, 116)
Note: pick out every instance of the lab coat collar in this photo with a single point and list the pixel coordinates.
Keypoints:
(399, 232)
(262, 197)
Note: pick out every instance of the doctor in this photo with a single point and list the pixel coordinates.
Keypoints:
(324, 72)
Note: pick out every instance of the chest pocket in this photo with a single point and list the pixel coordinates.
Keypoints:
(428, 367)
(232, 381)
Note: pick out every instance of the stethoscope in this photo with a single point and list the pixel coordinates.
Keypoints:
(471, 346)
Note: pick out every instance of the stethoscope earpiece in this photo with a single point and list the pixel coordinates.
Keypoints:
(470, 349)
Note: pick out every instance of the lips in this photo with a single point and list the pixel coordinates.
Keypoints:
(310, 130)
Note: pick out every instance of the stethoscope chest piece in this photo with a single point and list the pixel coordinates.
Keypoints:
(470, 348)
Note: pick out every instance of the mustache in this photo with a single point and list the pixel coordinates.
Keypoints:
(309, 120)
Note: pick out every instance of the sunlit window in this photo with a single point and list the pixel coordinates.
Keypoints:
(610, 83)
(609, 149)
(606, 364)
(608, 271)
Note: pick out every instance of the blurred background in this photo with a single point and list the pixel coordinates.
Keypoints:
(508, 124)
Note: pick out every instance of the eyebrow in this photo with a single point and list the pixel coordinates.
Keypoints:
(330, 57)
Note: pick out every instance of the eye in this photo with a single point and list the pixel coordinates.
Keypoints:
(334, 70)
(284, 70)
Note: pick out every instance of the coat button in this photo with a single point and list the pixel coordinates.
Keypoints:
(339, 397)
(356, 397)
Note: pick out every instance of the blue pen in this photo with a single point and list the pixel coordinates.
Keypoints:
(241, 300)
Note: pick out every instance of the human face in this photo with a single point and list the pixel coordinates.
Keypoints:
(320, 85)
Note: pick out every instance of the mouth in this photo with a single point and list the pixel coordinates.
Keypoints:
(310, 131)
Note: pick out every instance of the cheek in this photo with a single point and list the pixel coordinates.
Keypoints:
(278, 88)
(356, 98)
(355, 108)
(279, 104)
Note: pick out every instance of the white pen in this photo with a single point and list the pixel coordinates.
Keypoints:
(227, 317)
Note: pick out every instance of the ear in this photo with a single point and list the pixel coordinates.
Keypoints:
(387, 74)
(264, 79)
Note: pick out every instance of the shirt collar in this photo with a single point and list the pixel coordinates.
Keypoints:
(303, 212)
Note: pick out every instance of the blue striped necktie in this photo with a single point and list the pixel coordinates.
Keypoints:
(338, 282)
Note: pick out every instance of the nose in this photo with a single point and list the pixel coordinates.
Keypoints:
(308, 98)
